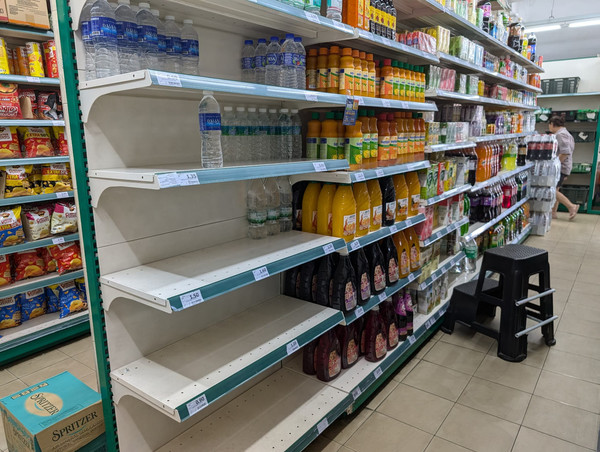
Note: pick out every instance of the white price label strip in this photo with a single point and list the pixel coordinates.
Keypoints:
(319, 166)
(260, 273)
(167, 180)
(311, 97)
(382, 296)
(58, 123)
(321, 426)
(354, 245)
(187, 179)
(359, 312)
(33, 79)
(411, 277)
(393, 229)
(385, 103)
(328, 249)
(196, 405)
(360, 100)
(408, 222)
(404, 105)
(191, 299)
(360, 176)
(62, 194)
(356, 393)
(169, 80)
(379, 172)
(412, 340)
(292, 347)
(378, 372)
(58, 240)
(312, 17)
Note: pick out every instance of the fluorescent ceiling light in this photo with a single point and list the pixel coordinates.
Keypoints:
(584, 23)
(543, 28)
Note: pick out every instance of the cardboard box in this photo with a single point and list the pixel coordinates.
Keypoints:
(31, 13)
(58, 414)
(3, 12)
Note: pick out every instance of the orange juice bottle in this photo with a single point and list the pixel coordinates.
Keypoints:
(312, 74)
(339, 121)
(401, 137)
(346, 72)
(366, 132)
(396, 71)
(403, 254)
(344, 213)
(376, 204)
(364, 74)
(313, 135)
(322, 69)
(386, 87)
(393, 139)
(420, 122)
(402, 89)
(401, 197)
(415, 249)
(357, 73)
(324, 209)
(328, 143)
(353, 145)
(414, 192)
(374, 138)
(413, 85)
(309, 207)
(333, 70)
(422, 83)
(412, 138)
(383, 151)
(372, 73)
(480, 171)
(363, 208)
(377, 79)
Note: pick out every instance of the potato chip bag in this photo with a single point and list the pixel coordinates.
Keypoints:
(52, 299)
(50, 264)
(36, 222)
(10, 312)
(36, 142)
(28, 264)
(11, 228)
(5, 271)
(10, 107)
(33, 304)
(56, 178)
(64, 218)
(80, 283)
(36, 179)
(61, 147)
(67, 255)
(9, 143)
(69, 299)
(17, 181)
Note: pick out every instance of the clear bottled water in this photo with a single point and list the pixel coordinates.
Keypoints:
(285, 137)
(256, 205)
(273, 134)
(241, 134)
(190, 52)
(161, 39)
(260, 61)
(228, 135)
(297, 3)
(147, 37)
(85, 25)
(104, 37)
(288, 66)
(248, 61)
(251, 144)
(296, 134)
(209, 115)
(263, 151)
(313, 6)
(273, 66)
(285, 204)
(127, 38)
(173, 37)
(300, 63)
(273, 206)
(471, 256)
(334, 10)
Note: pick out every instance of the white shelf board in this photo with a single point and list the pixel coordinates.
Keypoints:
(37, 282)
(478, 228)
(214, 361)
(548, 96)
(182, 281)
(472, 98)
(441, 147)
(447, 194)
(442, 231)
(502, 175)
(34, 161)
(443, 268)
(26, 80)
(31, 122)
(505, 136)
(36, 198)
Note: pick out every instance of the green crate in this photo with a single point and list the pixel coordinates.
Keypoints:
(577, 194)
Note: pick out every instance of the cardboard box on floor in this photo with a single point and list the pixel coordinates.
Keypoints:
(58, 414)
(31, 13)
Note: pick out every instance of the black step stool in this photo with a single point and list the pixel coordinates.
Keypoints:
(515, 264)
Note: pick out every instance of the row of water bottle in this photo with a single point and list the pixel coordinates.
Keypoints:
(333, 11)
(280, 63)
(260, 134)
(269, 207)
(120, 38)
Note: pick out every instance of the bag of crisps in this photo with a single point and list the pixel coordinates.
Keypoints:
(80, 283)
(52, 299)
(10, 107)
(64, 218)
(33, 304)
(28, 264)
(67, 255)
(50, 264)
(36, 179)
(61, 147)
(9, 143)
(11, 228)
(69, 299)
(17, 181)
(36, 222)
(10, 312)
(5, 271)
(36, 142)
(56, 178)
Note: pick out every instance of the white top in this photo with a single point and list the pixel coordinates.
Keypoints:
(188, 21)
(144, 5)
(272, 110)
(240, 109)
(294, 111)
(123, 2)
(155, 12)
(262, 110)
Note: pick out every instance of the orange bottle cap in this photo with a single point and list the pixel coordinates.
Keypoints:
(369, 57)
(363, 55)
(312, 52)
(323, 51)
(355, 53)
(347, 51)
(334, 49)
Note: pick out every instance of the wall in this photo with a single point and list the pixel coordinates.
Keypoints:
(586, 68)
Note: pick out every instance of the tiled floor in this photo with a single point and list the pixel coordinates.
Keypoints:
(457, 395)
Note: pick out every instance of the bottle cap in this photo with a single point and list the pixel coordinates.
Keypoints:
(387, 62)
(188, 21)
(297, 39)
(123, 2)
(347, 51)
(240, 109)
(394, 63)
(248, 42)
(154, 12)
(334, 49)
(330, 115)
(144, 5)
(289, 36)
(369, 57)
(362, 112)
(315, 115)
(390, 116)
(339, 115)
(272, 110)
(323, 51)
(284, 110)
(167, 17)
(262, 41)
(371, 113)
(363, 55)
(312, 52)
(274, 38)
(382, 116)
(355, 53)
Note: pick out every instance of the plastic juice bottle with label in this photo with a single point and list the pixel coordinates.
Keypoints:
(313, 135)
(401, 189)
(365, 73)
(328, 357)
(398, 302)
(307, 281)
(376, 199)
(377, 78)
(393, 140)
(403, 250)
(423, 84)
(349, 342)
(413, 86)
(346, 72)
(374, 138)
(363, 208)
(353, 145)
(480, 172)
(322, 69)
(366, 132)
(383, 151)
(396, 70)
(372, 73)
(333, 70)
(414, 192)
(361, 269)
(339, 120)
(403, 82)
(312, 73)
(420, 126)
(377, 267)
(344, 292)
(375, 336)
(402, 137)
(357, 73)
(390, 321)
(309, 207)
(328, 143)
(415, 250)
(344, 213)
(388, 197)
(324, 209)
(387, 80)
(412, 138)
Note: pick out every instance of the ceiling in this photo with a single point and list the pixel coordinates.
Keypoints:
(567, 42)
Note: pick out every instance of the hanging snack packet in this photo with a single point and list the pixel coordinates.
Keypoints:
(56, 178)
(10, 108)
(36, 142)
(17, 181)
(48, 106)
(11, 228)
(69, 299)
(10, 312)
(59, 141)
(28, 264)
(5, 273)
(33, 304)
(52, 294)
(64, 218)
(28, 102)
(50, 264)
(36, 222)
(9, 143)
(67, 255)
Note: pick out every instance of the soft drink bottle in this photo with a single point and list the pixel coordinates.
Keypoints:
(190, 52)
(147, 37)
(173, 35)
(104, 38)
(210, 132)
(248, 62)
(260, 61)
(127, 38)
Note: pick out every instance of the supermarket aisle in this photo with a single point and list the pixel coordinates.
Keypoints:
(457, 395)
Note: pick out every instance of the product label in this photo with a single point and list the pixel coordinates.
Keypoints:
(335, 364)
(414, 257)
(380, 346)
(174, 45)
(272, 214)
(328, 148)
(371, 84)
(347, 80)
(404, 263)
(353, 150)
(377, 215)
(333, 77)
(329, 223)
(364, 220)
(285, 212)
(402, 207)
(209, 121)
(390, 210)
(357, 81)
(388, 86)
(416, 200)
(189, 47)
(350, 296)
(383, 152)
(349, 224)
(323, 76)
(312, 148)
(352, 352)
(272, 59)
(127, 32)
(314, 220)
(374, 146)
(147, 34)
(86, 30)
(287, 59)
(366, 146)
(393, 270)
(247, 63)
(365, 287)
(393, 335)
(257, 217)
(393, 147)
(379, 278)
(105, 29)
(311, 79)
(162, 43)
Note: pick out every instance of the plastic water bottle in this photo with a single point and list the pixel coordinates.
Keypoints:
(274, 133)
(104, 37)
(228, 135)
(209, 114)
(285, 204)
(471, 256)
(253, 137)
(297, 3)
(313, 6)
(248, 61)
(85, 26)
(256, 205)
(288, 68)
(127, 38)
(263, 152)
(173, 39)
(161, 39)
(190, 52)
(273, 67)
(260, 61)
(285, 138)
(296, 134)
(147, 37)
(241, 134)
(334, 10)
(273, 206)
(300, 63)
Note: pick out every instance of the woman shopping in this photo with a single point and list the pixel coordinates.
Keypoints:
(566, 145)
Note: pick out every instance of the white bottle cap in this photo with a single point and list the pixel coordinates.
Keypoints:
(240, 109)
(284, 110)
(144, 5)
(272, 110)
(262, 110)
(123, 2)
(251, 110)
(155, 12)
(294, 110)
(169, 17)
(188, 21)
(228, 108)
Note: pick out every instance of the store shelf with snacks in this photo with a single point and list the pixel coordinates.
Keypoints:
(502, 175)
(31, 122)
(36, 283)
(34, 161)
(474, 99)
(26, 33)
(35, 198)
(183, 281)
(26, 80)
(54, 240)
(255, 340)
(443, 268)
(447, 194)
(479, 227)
(442, 147)
(505, 136)
(443, 231)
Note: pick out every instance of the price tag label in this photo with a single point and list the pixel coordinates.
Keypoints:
(386, 103)
(378, 372)
(369, 35)
(356, 393)
(359, 176)
(312, 17)
(379, 172)
(319, 166)
(292, 347)
(191, 299)
(260, 273)
(393, 229)
(167, 180)
(58, 240)
(359, 312)
(58, 123)
(408, 222)
(197, 404)
(311, 97)
(321, 426)
(33, 79)
(350, 111)
(411, 277)
(404, 105)
(382, 296)
(329, 248)
(168, 80)
(339, 25)
(187, 179)
(360, 100)
(412, 340)
(354, 245)
(63, 194)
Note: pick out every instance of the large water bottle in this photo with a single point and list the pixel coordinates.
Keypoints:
(251, 146)
(273, 206)
(285, 138)
(147, 37)
(161, 39)
(260, 61)
(285, 204)
(209, 114)
(263, 151)
(173, 35)
(296, 134)
(300, 63)
(228, 135)
(248, 61)
(256, 204)
(288, 67)
(273, 67)
(190, 52)
(470, 248)
(104, 37)
(85, 26)
(127, 38)
(241, 134)
(274, 134)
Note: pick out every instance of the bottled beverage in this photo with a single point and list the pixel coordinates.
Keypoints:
(403, 250)
(104, 37)
(415, 250)
(296, 134)
(296, 3)
(376, 204)
(328, 360)
(471, 255)
(273, 65)
(328, 141)
(300, 63)
(307, 281)
(311, 70)
(414, 191)
(308, 356)
(248, 61)
(85, 26)
(361, 269)
(374, 336)
(288, 68)
(127, 38)
(409, 313)
(349, 341)
(400, 309)
(363, 208)
(334, 10)
(228, 135)
(388, 314)
(312, 6)
(374, 137)
(333, 70)
(309, 207)
(241, 134)
(252, 143)
(322, 69)
(325, 272)
(147, 37)
(346, 72)
(377, 268)
(343, 222)
(257, 210)
(273, 206)
(161, 40)
(313, 135)
(285, 206)
(325, 209)
(383, 149)
(390, 255)
(353, 145)
(401, 189)
(274, 134)
(260, 61)
(285, 138)
(366, 138)
(190, 51)
(344, 290)
(173, 36)
(388, 194)
(262, 135)
(209, 114)
(297, 200)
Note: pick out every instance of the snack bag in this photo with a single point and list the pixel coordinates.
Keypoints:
(52, 295)
(69, 299)
(36, 179)
(17, 181)
(36, 142)
(28, 264)
(28, 103)
(48, 105)
(10, 312)
(56, 178)
(33, 304)
(50, 264)
(36, 222)
(5, 273)
(10, 108)
(9, 143)
(59, 141)
(67, 255)
(11, 228)
(64, 218)
(80, 283)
